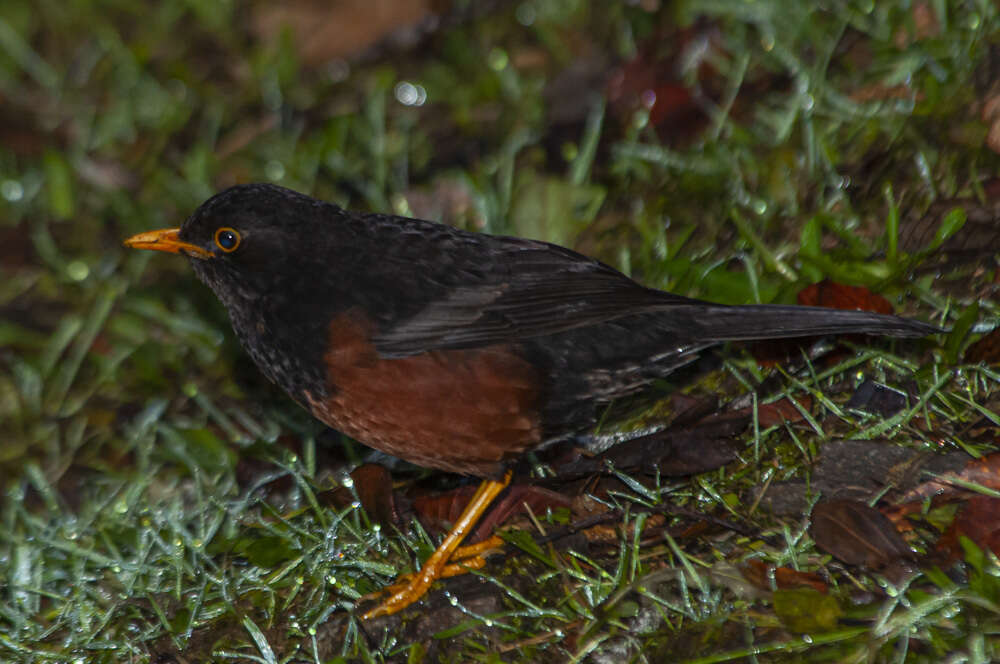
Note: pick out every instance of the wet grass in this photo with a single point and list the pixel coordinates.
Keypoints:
(160, 498)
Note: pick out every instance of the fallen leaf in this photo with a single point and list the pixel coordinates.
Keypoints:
(856, 534)
(984, 472)
(828, 293)
(323, 31)
(985, 349)
(782, 411)
(760, 574)
(978, 520)
(439, 510)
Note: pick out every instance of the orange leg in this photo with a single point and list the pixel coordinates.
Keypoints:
(414, 588)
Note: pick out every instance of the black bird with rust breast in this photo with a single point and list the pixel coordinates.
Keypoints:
(453, 350)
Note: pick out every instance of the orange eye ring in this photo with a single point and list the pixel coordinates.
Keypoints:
(228, 239)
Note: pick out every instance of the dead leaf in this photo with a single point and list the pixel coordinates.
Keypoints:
(828, 293)
(985, 349)
(856, 534)
(373, 487)
(782, 411)
(439, 510)
(760, 574)
(984, 472)
(978, 520)
(324, 31)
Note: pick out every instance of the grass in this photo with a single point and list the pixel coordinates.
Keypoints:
(160, 498)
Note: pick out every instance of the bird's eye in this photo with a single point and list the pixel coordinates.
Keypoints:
(227, 239)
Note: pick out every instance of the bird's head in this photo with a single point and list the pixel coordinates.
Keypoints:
(249, 239)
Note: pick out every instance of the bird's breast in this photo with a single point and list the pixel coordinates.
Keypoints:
(463, 411)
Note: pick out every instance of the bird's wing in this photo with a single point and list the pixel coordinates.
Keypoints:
(528, 289)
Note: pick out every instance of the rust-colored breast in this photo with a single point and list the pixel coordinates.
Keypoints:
(463, 411)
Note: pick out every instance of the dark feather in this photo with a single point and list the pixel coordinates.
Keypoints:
(534, 289)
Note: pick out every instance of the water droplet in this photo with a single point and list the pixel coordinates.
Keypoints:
(767, 42)
(12, 190)
(409, 94)
(808, 103)
(497, 59)
(274, 170)
(348, 482)
(526, 13)
(77, 270)
(648, 98)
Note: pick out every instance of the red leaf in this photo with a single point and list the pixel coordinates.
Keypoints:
(978, 521)
(758, 573)
(783, 410)
(839, 296)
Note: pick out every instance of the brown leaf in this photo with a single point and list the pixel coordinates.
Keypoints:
(985, 472)
(985, 350)
(840, 296)
(323, 31)
(759, 574)
(437, 511)
(783, 410)
(373, 486)
(978, 520)
(856, 534)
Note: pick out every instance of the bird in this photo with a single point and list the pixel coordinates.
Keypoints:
(455, 350)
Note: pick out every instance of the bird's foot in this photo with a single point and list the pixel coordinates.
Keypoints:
(448, 559)
(409, 588)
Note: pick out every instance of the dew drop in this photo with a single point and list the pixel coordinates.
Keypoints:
(498, 59)
(12, 190)
(77, 270)
(274, 170)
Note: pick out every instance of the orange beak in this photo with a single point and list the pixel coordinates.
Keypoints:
(168, 240)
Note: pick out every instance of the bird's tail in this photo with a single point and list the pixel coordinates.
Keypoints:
(769, 321)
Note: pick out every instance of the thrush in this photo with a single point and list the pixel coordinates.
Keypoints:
(454, 350)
